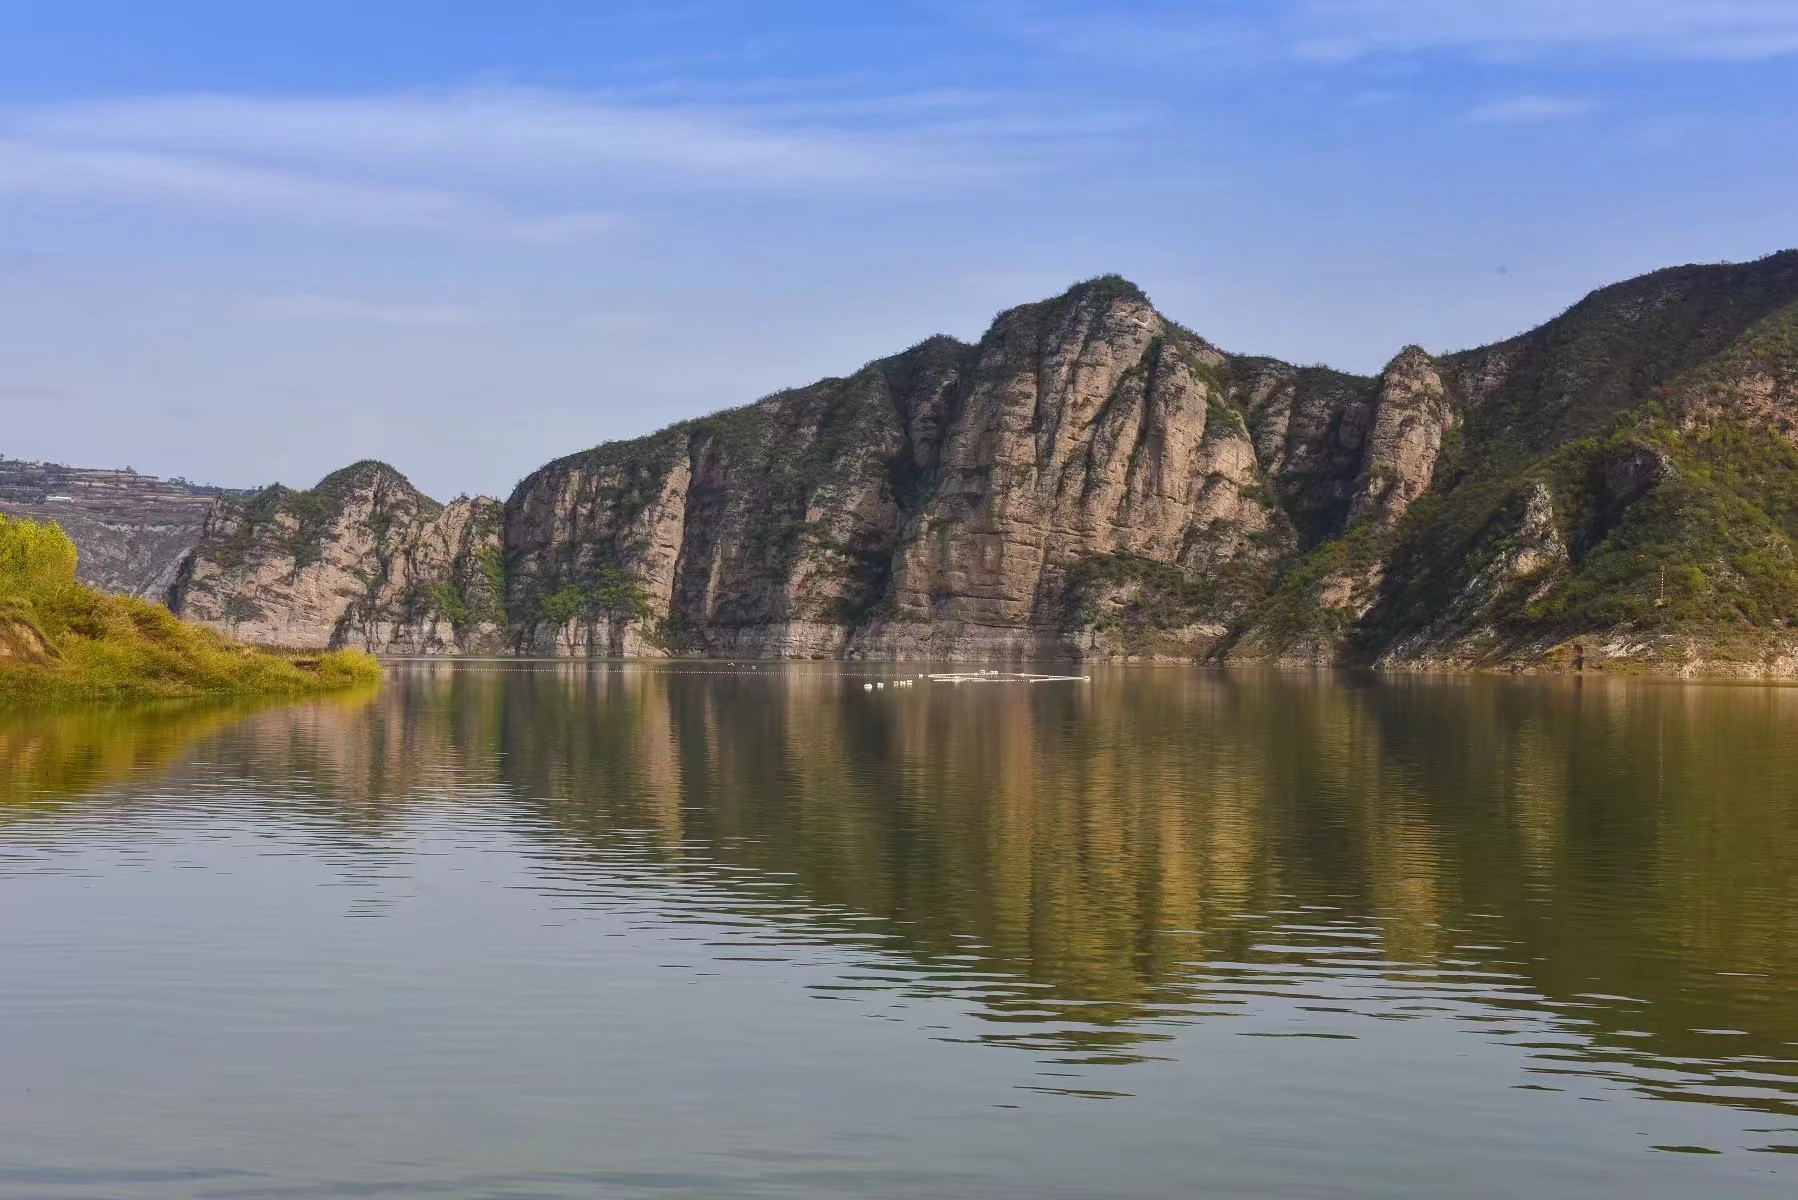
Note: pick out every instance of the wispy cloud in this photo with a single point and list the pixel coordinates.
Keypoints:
(221, 186)
(488, 131)
(524, 163)
(1724, 29)
(1340, 31)
(338, 308)
(1529, 110)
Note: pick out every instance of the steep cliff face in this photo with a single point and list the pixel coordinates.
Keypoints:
(1619, 486)
(1086, 428)
(1411, 415)
(952, 501)
(1309, 427)
(1365, 454)
(764, 530)
(361, 560)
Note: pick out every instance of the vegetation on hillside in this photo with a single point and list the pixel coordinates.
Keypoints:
(1299, 613)
(311, 513)
(616, 597)
(1614, 351)
(1149, 607)
(1680, 518)
(60, 639)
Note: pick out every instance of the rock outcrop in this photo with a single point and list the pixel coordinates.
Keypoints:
(1085, 428)
(1410, 417)
(1091, 479)
(21, 641)
(362, 560)
(946, 502)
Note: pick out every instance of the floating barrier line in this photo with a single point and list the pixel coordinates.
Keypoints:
(1005, 677)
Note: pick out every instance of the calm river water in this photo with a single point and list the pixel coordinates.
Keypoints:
(601, 930)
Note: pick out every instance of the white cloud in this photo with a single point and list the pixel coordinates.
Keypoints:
(540, 132)
(537, 165)
(1720, 29)
(1333, 31)
(61, 172)
(1529, 110)
(341, 309)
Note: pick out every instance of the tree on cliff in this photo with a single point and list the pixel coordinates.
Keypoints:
(617, 597)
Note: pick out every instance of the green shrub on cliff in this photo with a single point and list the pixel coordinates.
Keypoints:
(617, 595)
(448, 601)
(60, 639)
(560, 607)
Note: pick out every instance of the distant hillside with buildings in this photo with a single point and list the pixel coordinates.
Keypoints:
(132, 530)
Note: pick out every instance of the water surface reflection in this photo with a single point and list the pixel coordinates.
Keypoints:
(1597, 880)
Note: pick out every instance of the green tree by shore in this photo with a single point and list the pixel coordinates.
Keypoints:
(63, 640)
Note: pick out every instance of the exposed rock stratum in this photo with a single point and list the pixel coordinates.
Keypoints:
(1090, 479)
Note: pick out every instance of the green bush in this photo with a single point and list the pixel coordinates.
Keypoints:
(36, 561)
(560, 607)
(65, 640)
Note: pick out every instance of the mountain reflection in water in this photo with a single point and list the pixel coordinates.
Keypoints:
(1601, 876)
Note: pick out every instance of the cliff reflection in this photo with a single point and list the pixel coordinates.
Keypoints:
(1613, 864)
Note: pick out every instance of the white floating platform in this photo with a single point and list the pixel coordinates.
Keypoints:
(1005, 677)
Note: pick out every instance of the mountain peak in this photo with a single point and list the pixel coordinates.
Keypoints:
(1411, 358)
(1102, 289)
(363, 473)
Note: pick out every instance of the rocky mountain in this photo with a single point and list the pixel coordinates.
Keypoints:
(362, 560)
(133, 530)
(939, 503)
(1618, 487)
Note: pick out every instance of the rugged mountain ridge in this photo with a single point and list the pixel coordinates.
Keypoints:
(362, 560)
(1092, 479)
(1619, 488)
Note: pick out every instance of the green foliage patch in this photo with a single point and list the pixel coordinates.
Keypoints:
(617, 595)
(1702, 539)
(65, 640)
(1142, 601)
(313, 512)
(1295, 613)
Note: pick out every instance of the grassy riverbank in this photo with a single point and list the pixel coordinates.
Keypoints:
(62, 640)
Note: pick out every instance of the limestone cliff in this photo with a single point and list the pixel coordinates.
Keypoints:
(362, 560)
(1091, 479)
(989, 500)
(1084, 429)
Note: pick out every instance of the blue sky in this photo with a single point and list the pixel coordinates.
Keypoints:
(254, 242)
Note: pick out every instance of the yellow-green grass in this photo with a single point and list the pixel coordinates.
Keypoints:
(63, 640)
